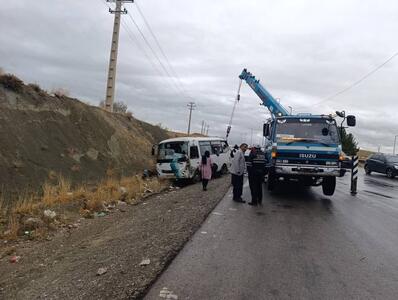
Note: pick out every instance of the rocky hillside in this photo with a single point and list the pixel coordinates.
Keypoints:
(43, 135)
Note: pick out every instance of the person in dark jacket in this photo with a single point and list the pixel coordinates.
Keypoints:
(256, 169)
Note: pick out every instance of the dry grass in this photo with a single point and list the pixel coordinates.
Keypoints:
(11, 82)
(82, 199)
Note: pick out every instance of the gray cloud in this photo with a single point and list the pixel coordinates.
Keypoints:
(301, 51)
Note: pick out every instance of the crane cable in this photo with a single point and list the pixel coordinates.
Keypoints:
(233, 109)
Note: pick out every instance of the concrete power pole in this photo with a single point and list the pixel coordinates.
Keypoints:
(191, 107)
(110, 86)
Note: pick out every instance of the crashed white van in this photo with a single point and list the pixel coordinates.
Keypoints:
(180, 157)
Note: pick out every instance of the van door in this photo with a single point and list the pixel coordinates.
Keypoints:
(194, 158)
(216, 154)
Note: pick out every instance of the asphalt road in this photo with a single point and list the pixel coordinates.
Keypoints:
(299, 245)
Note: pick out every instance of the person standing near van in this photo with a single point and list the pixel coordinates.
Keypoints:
(238, 168)
(256, 169)
(205, 169)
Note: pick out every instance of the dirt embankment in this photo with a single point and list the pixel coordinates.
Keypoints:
(42, 135)
(101, 258)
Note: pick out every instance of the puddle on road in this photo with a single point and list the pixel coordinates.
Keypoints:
(288, 206)
(378, 194)
(378, 183)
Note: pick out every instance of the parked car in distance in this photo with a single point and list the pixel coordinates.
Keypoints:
(382, 163)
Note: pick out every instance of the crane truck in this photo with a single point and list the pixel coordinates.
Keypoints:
(299, 147)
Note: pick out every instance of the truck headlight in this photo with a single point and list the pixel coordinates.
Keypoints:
(396, 166)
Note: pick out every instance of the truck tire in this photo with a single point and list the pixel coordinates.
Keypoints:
(390, 173)
(367, 170)
(271, 181)
(329, 185)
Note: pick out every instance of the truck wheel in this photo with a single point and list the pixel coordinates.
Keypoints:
(367, 170)
(329, 185)
(271, 181)
(390, 173)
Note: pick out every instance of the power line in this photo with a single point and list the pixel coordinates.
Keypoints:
(354, 83)
(154, 53)
(134, 39)
(158, 44)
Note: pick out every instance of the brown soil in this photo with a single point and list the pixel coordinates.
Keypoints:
(43, 135)
(66, 267)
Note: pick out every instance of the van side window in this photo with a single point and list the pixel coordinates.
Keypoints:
(193, 152)
(204, 146)
(216, 147)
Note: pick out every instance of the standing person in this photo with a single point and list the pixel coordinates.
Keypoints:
(238, 168)
(256, 169)
(205, 169)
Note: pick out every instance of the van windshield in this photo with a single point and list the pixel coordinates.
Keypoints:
(172, 150)
(307, 130)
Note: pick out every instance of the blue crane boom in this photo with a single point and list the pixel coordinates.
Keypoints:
(275, 108)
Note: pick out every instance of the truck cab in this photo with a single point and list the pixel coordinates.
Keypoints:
(305, 148)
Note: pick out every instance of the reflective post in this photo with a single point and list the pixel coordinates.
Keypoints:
(354, 174)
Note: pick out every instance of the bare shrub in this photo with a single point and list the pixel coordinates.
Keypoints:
(129, 115)
(35, 87)
(118, 107)
(11, 82)
(60, 92)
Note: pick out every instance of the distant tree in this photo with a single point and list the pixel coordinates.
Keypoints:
(118, 107)
(1, 71)
(350, 145)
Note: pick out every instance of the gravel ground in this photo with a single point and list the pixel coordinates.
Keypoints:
(67, 266)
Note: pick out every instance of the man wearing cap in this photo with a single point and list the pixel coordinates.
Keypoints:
(256, 169)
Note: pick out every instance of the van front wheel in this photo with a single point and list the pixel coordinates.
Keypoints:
(196, 177)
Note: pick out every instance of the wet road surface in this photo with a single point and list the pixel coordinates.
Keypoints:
(299, 245)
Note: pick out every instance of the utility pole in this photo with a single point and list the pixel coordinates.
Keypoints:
(203, 127)
(207, 130)
(110, 85)
(191, 107)
(395, 141)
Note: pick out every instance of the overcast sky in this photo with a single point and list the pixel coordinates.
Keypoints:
(302, 51)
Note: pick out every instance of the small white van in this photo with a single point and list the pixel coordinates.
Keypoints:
(180, 157)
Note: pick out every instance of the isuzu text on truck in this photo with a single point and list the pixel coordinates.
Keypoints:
(302, 147)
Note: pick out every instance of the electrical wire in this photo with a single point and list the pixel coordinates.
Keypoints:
(155, 54)
(159, 46)
(353, 84)
(134, 39)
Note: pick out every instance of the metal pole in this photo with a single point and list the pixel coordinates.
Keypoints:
(354, 174)
(395, 141)
(191, 107)
(111, 82)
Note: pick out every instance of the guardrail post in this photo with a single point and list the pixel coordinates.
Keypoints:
(354, 174)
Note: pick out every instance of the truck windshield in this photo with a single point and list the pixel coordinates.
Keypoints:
(307, 130)
(172, 149)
